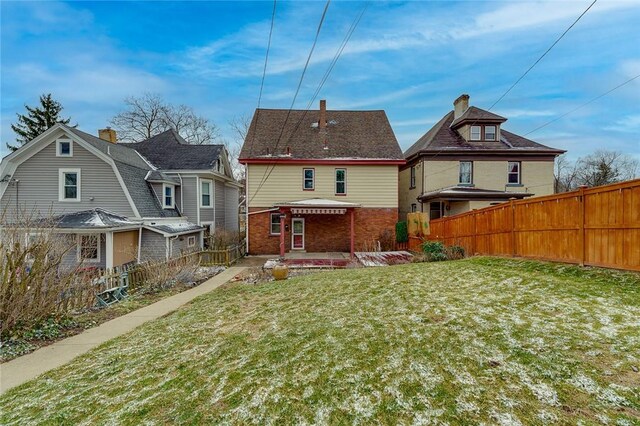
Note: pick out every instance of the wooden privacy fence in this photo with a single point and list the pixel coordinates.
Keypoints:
(590, 226)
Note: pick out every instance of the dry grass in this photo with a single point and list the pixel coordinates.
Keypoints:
(477, 341)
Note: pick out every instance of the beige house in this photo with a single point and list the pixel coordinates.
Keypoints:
(468, 161)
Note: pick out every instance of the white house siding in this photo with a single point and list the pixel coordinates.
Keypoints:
(37, 189)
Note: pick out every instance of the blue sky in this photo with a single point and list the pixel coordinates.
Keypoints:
(411, 59)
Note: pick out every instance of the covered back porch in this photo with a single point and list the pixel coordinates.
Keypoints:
(316, 225)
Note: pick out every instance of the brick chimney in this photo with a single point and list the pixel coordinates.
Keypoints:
(460, 105)
(107, 134)
(322, 123)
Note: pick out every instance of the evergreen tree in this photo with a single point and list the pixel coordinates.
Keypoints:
(37, 120)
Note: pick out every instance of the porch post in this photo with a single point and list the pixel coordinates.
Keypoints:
(282, 216)
(353, 234)
(109, 248)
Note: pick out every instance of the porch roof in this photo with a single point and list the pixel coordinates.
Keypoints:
(465, 193)
(91, 220)
(318, 203)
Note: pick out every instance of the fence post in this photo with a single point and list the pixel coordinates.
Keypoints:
(474, 241)
(581, 237)
(226, 254)
(513, 226)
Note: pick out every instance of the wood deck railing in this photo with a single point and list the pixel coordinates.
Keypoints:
(590, 226)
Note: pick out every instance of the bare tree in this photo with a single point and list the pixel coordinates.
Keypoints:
(149, 115)
(603, 167)
(239, 128)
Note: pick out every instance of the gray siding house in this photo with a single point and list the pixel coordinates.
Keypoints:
(120, 203)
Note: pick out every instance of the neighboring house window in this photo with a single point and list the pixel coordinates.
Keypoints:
(475, 133)
(490, 133)
(64, 148)
(466, 173)
(69, 185)
(341, 182)
(436, 210)
(191, 241)
(168, 192)
(412, 182)
(514, 172)
(309, 179)
(205, 193)
(414, 208)
(274, 229)
(89, 248)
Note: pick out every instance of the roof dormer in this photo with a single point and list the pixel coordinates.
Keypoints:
(475, 124)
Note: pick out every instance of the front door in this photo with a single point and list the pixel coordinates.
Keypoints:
(297, 234)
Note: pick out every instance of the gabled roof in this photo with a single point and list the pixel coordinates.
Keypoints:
(169, 151)
(158, 176)
(476, 114)
(353, 135)
(441, 138)
(142, 193)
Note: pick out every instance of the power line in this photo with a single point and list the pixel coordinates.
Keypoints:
(304, 70)
(583, 105)
(543, 55)
(532, 66)
(323, 80)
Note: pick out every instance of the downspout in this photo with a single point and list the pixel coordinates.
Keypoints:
(181, 193)
(139, 242)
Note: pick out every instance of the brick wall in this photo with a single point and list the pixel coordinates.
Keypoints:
(323, 233)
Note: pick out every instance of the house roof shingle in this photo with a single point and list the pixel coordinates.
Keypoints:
(295, 134)
(476, 114)
(442, 138)
(169, 151)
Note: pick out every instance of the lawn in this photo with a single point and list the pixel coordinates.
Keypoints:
(474, 341)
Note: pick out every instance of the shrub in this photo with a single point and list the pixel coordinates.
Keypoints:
(387, 240)
(402, 232)
(435, 251)
(36, 280)
(223, 238)
(158, 275)
(455, 252)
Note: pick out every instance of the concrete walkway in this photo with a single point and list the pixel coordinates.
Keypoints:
(27, 367)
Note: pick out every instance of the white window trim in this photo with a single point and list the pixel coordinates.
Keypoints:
(61, 173)
(509, 163)
(79, 249)
(336, 181)
(471, 138)
(495, 133)
(470, 173)
(173, 196)
(210, 183)
(271, 224)
(412, 177)
(189, 241)
(59, 151)
(313, 179)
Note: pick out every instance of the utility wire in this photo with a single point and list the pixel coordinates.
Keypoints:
(304, 70)
(531, 67)
(543, 55)
(583, 105)
(337, 55)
